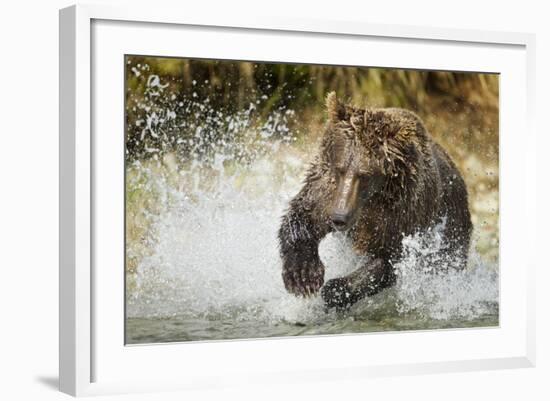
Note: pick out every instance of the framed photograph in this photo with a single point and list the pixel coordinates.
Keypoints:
(274, 200)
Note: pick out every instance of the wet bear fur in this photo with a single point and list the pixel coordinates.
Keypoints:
(379, 176)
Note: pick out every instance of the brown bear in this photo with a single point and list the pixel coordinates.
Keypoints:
(378, 177)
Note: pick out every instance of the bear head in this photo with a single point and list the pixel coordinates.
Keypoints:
(369, 153)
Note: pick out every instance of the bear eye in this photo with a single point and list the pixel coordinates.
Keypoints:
(340, 170)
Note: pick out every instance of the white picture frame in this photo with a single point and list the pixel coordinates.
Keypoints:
(94, 360)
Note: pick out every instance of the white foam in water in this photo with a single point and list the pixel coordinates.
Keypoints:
(215, 253)
(214, 250)
(456, 293)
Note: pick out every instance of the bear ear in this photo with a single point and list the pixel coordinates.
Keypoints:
(335, 109)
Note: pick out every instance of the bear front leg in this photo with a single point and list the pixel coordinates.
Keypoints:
(299, 236)
(342, 292)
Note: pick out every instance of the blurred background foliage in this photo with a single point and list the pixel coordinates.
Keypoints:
(187, 107)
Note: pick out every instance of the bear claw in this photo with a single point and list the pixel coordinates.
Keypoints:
(305, 282)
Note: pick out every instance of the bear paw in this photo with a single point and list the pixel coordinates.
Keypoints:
(305, 280)
(337, 293)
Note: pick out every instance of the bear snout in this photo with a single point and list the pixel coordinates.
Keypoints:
(340, 220)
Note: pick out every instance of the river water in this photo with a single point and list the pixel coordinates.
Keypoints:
(213, 272)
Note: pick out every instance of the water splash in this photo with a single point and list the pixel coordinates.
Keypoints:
(211, 211)
(215, 252)
(431, 285)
